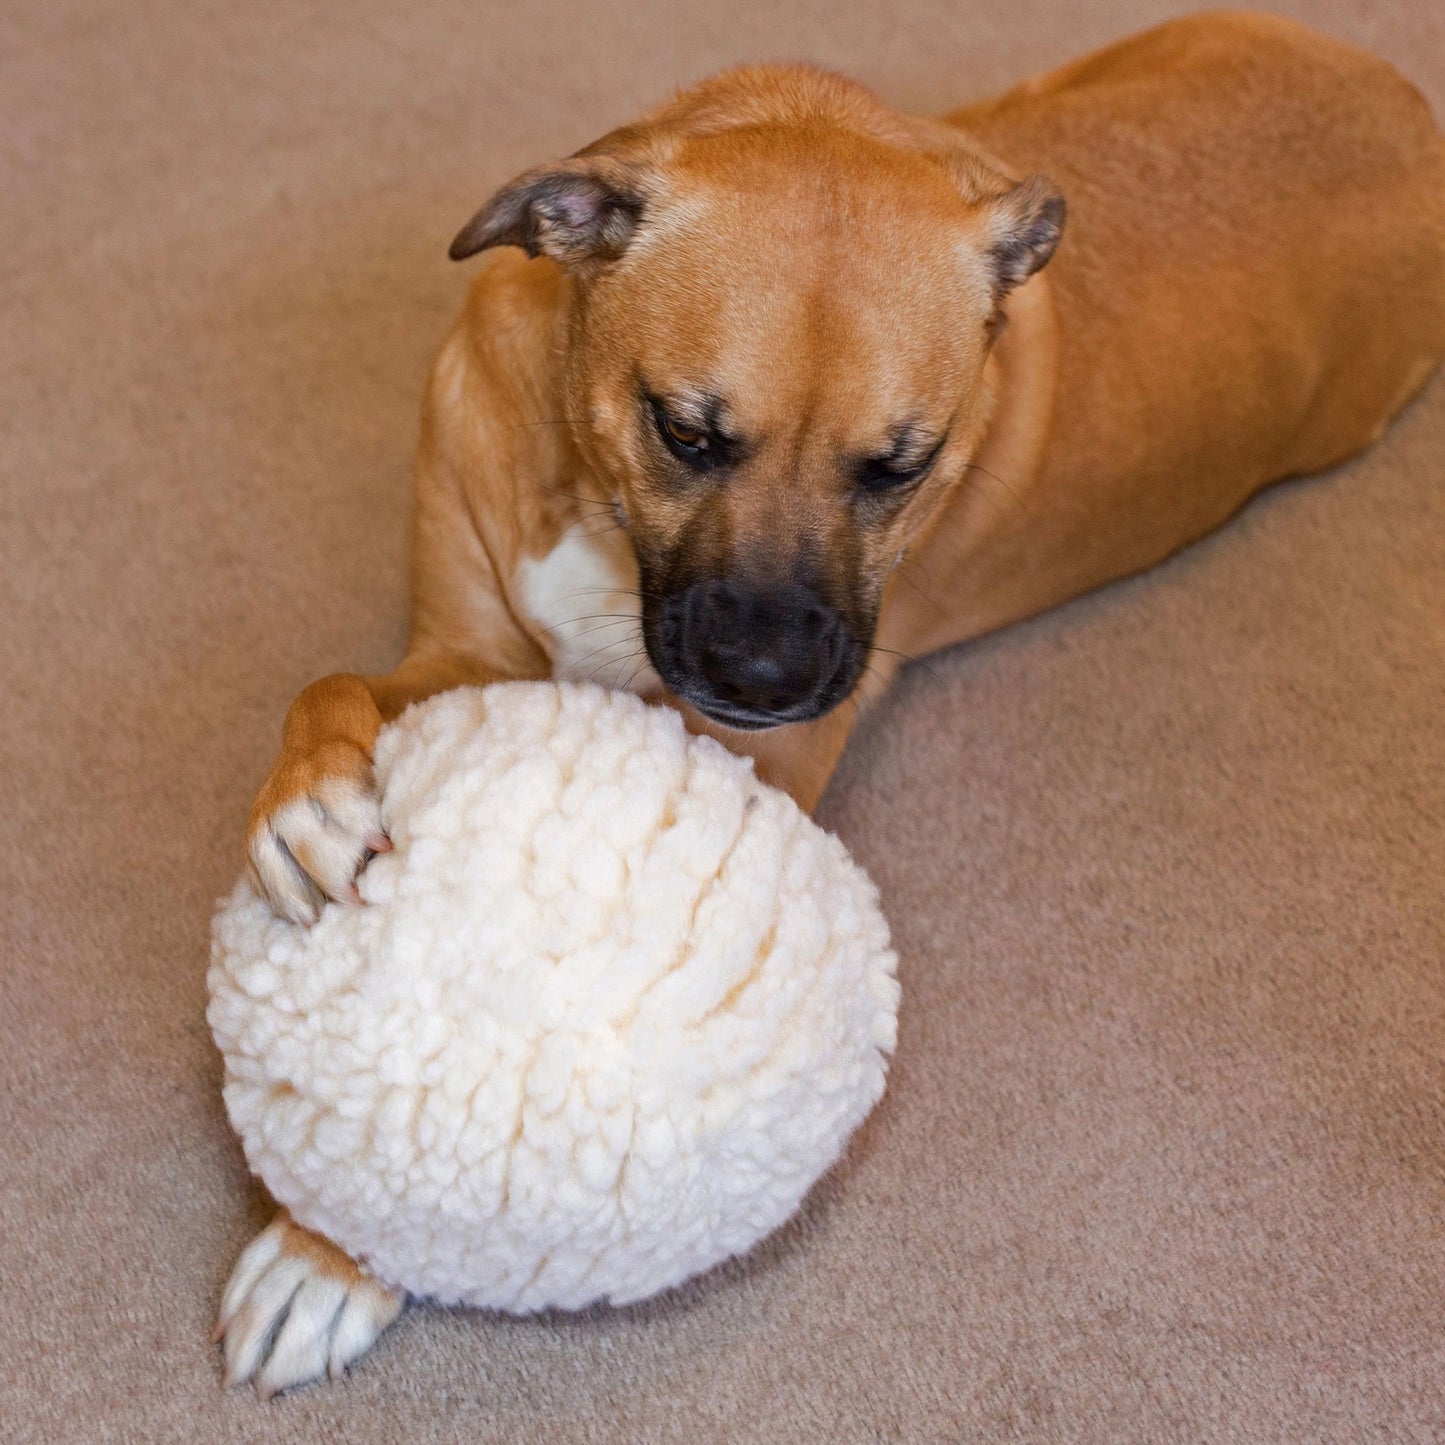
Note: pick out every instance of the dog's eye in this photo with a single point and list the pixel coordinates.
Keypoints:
(698, 448)
(886, 474)
(685, 436)
(875, 476)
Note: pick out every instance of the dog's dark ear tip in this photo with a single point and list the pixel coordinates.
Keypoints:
(1055, 214)
(569, 212)
(469, 240)
(1028, 222)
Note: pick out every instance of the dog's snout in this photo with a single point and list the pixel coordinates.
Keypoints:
(768, 652)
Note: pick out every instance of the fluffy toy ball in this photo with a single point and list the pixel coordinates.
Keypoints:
(612, 1006)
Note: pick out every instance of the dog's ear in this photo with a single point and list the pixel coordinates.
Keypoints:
(1022, 225)
(582, 209)
(1022, 220)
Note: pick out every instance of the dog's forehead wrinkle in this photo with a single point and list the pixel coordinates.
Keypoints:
(747, 288)
(815, 156)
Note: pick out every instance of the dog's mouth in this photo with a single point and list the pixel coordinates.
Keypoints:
(753, 679)
(744, 719)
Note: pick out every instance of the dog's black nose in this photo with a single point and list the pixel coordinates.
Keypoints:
(768, 652)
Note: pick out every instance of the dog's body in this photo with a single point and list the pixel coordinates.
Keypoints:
(1253, 283)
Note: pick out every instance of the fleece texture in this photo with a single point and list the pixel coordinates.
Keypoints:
(613, 1005)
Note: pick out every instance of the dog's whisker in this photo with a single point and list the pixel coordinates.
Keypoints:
(911, 660)
(903, 574)
(636, 671)
(616, 592)
(609, 656)
(602, 626)
(599, 503)
(602, 619)
(621, 662)
(1012, 491)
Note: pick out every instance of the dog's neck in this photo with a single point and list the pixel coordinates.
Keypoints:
(1018, 393)
(1023, 370)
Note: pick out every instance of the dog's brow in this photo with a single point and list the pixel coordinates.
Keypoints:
(908, 444)
(705, 410)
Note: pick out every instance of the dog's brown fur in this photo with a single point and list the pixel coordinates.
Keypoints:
(1252, 283)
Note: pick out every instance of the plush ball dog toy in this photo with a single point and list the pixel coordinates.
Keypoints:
(613, 1005)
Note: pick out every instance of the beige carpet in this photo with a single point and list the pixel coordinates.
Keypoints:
(1162, 1155)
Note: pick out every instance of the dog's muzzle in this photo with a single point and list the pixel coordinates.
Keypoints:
(752, 658)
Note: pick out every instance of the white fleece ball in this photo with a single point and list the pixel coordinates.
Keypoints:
(613, 1007)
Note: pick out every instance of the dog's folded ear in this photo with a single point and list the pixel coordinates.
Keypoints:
(582, 209)
(1022, 219)
(1022, 226)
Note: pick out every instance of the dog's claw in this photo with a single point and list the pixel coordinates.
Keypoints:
(302, 1345)
(367, 1310)
(296, 1310)
(255, 1259)
(313, 847)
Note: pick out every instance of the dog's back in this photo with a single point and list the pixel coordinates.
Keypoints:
(1253, 280)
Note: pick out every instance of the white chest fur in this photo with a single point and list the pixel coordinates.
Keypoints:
(581, 599)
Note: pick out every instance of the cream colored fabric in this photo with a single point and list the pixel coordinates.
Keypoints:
(1161, 1156)
(613, 1006)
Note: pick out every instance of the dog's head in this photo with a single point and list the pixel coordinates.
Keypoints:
(784, 301)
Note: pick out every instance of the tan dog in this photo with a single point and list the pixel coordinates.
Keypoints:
(778, 343)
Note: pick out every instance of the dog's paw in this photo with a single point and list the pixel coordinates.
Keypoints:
(314, 827)
(296, 1309)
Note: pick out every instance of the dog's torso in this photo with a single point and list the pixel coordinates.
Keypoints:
(1252, 285)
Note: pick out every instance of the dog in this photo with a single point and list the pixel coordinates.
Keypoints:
(777, 387)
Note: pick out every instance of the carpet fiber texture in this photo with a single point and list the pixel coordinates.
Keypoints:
(1161, 1159)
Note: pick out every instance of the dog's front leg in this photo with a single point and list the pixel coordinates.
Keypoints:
(317, 818)
(296, 1308)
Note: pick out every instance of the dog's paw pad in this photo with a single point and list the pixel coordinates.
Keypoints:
(297, 1309)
